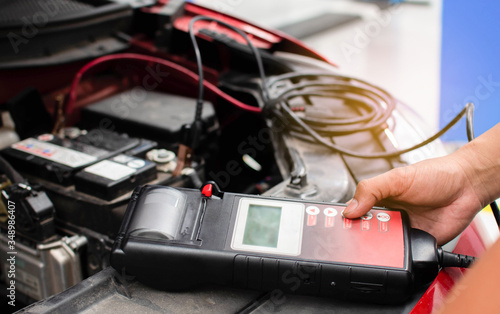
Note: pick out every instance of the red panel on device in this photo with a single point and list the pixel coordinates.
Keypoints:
(377, 239)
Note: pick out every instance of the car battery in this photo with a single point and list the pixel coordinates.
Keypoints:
(58, 159)
(114, 176)
(89, 176)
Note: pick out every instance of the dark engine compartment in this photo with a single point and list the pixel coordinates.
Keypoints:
(90, 125)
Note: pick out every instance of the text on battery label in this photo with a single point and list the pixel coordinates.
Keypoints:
(59, 154)
(110, 170)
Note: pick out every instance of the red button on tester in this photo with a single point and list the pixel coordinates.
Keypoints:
(207, 190)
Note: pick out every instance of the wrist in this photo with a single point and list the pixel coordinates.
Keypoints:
(481, 167)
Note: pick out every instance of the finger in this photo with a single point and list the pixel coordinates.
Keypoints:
(371, 191)
(388, 203)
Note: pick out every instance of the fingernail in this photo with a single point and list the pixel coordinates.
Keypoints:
(352, 206)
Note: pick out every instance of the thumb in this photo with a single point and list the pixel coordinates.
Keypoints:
(371, 191)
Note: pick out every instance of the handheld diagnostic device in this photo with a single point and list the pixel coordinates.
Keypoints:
(175, 239)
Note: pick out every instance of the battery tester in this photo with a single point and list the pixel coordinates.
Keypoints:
(177, 239)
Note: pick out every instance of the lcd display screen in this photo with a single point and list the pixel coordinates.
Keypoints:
(262, 226)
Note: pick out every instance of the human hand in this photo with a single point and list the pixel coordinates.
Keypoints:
(440, 195)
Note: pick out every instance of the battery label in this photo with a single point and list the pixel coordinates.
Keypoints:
(110, 170)
(58, 154)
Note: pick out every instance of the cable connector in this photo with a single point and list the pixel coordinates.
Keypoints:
(190, 138)
(428, 258)
(191, 134)
(448, 259)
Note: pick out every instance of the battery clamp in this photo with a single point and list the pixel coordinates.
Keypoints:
(33, 211)
(178, 239)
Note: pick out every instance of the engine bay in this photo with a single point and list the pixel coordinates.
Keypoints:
(172, 93)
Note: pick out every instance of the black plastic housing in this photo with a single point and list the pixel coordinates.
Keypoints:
(425, 259)
(195, 253)
(33, 212)
(155, 115)
(39, 33)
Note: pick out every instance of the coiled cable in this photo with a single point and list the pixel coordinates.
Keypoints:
(375, 103)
